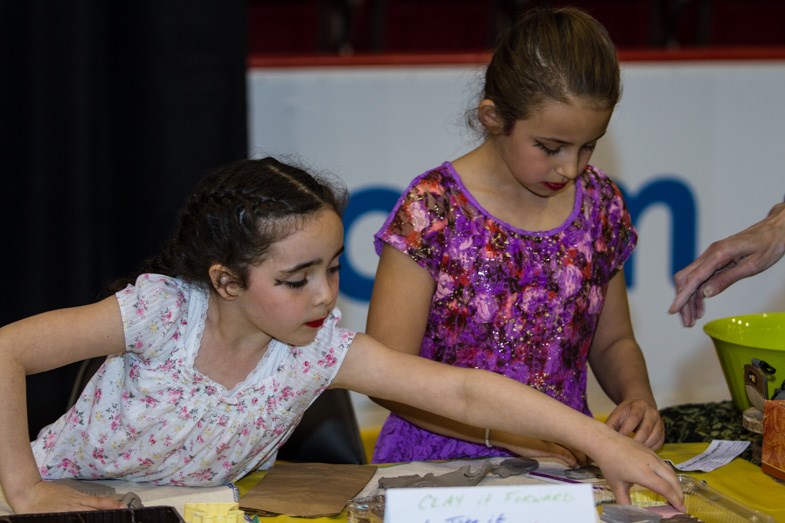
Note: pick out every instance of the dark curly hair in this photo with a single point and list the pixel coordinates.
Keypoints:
(236, 213)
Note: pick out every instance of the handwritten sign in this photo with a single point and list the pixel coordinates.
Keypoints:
(497, 504)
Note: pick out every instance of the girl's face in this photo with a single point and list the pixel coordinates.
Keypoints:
(292, 291)
(552, 147)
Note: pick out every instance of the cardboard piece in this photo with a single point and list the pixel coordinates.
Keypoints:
(773, 454)
(306, 489)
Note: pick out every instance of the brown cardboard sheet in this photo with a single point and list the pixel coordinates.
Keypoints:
(306, 489)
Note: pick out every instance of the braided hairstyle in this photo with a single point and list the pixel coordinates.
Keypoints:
(236, 213)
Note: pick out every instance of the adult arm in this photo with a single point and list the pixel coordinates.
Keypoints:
(618, 363)
(486, 399)
(397, 317)
(727, 261)
(36, 344)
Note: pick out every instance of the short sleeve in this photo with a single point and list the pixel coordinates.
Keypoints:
(623, 234)
(418, 223)
(154, 311)
(314, 366)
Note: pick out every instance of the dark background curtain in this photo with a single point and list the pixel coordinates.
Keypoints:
(109, 111)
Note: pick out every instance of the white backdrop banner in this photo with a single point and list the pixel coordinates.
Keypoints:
(697, 148)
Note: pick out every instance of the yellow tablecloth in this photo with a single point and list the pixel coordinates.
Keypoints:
(739, 479)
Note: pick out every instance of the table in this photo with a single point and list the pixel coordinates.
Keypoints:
(740, 480)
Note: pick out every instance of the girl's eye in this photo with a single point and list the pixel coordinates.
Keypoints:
(547, 150)
(298, 284)
(590, 146)
(293, 284)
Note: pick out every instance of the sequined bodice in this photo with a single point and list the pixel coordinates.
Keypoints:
(521, 303)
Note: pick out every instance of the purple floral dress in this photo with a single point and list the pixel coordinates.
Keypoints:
(148, 415)
(521, 303)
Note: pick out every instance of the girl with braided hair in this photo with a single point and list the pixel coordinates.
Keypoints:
(218, 347)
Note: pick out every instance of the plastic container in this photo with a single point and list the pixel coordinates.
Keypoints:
(739, 339)
(366, 510)
(703, 502)
(139, 515)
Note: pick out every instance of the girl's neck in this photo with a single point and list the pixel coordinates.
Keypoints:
(230, 348)
(500, 194)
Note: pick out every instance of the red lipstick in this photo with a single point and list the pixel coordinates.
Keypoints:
(315, 323)
(554, 186)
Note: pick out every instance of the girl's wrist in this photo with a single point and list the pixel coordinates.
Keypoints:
(597, 439)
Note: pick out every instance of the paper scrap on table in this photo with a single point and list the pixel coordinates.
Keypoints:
(719, 453)
(306, 489)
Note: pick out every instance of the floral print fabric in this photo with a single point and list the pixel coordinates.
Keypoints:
(149, 415)
(521, 303)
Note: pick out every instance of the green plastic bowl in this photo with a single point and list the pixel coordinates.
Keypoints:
(739, 339)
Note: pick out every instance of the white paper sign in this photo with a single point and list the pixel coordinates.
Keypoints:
(497, 504)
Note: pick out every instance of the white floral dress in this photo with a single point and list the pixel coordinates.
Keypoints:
(149, 415)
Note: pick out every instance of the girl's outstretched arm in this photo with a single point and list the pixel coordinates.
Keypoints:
(486, 399)
(36, 344)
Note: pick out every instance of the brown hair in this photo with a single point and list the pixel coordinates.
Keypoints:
(235, 214)
(551, 54)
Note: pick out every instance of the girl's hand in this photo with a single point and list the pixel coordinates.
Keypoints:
(47, 496)
(625, 462)
(640, 418)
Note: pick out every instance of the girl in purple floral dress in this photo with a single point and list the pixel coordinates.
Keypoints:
(219, 346)
(510, 258)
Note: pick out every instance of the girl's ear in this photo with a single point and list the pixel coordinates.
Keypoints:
(224, 281)
(489, 117)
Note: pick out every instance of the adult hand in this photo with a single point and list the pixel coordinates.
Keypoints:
(727, 261)
(48, 496)
(642, 419)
